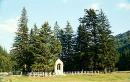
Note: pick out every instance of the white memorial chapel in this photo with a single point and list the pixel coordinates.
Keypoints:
(58, 67)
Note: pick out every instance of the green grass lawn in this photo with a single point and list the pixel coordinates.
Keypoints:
(114, 77)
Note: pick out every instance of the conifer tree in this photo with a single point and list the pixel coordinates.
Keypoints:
(66, 38)
(20, 46)
(108, 54)
(95, 42)
(88, 39)
(47, 49)
(32, 42)
(56, 29)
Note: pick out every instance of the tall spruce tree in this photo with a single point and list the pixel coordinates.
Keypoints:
(20, 46)
(95, 42)
(32, 42)
(108, 56)
(79, 47)
(66, 38)
(56, 30)
(88, 39)
(47, 48)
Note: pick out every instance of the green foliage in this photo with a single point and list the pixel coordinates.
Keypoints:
(123, 47)
(108, 47)
(39, 49)
(5, 61)
(46, 49)
(92, 48)
(20, 50)
(87, 39)
(122, 39)
(56, 30)
(95, 42)
(66, 38)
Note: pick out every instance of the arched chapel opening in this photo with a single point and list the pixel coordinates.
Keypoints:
(58, 66)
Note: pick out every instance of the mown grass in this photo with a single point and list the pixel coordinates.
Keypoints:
(114, 77)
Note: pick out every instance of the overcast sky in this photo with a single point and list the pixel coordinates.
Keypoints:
(117, 11)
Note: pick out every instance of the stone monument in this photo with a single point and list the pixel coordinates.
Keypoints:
(58, 67)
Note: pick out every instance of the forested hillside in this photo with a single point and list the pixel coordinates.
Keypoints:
(123, 46)
(123, 39)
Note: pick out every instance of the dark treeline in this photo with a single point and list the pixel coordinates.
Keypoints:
(91, 48)
(123, 47)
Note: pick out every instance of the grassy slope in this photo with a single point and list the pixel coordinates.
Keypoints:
(114, 77)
